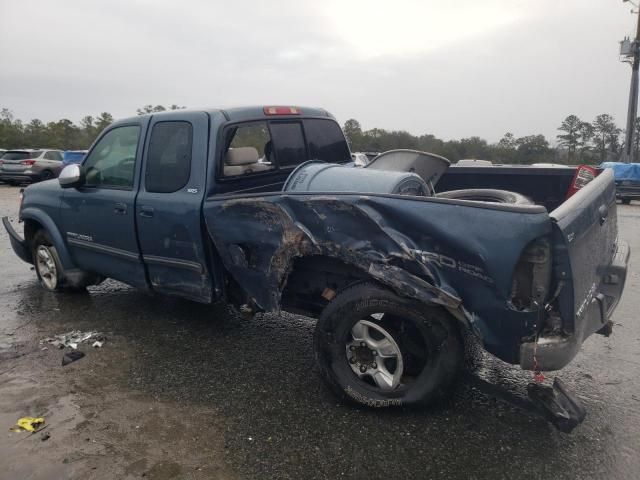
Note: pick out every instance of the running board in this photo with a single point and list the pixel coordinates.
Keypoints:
(556, 404)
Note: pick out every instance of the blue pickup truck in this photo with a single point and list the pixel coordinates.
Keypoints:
(191, 204)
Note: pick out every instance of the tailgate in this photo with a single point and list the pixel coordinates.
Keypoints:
(588, 256)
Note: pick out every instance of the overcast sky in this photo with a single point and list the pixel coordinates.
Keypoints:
(450, 68)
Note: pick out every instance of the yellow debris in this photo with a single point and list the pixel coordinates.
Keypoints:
(30, 424)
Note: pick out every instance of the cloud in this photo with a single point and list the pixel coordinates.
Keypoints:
(451, 69)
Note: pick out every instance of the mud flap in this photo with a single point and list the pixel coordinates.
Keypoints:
(561, 407)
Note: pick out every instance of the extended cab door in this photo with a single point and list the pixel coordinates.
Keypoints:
(99, 217)
(169, 206)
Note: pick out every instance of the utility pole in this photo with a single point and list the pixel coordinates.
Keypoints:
(631, 51)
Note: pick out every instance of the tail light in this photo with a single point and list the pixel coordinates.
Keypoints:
(532, 276)
(281, 111)
(584, 174)
(27, 162)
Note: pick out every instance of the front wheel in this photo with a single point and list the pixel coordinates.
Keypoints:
(378, 349)
(46, 262)
(50, 271)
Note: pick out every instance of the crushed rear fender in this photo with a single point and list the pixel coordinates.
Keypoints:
(457, 254)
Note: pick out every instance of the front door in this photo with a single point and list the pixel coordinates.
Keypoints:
(99, 217)
(169, 205)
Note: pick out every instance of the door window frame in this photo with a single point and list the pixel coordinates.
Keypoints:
(145, 162)
(137, 162)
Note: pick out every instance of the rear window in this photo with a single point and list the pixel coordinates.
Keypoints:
(288, 142)
(21, 155)
(326, 141)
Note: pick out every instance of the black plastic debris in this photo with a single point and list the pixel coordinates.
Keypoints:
(44, 436)
(71, 357)
(558, 404)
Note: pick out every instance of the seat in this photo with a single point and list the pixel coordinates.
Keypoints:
(241, 160)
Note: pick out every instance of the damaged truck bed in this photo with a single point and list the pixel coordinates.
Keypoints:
(234, 205)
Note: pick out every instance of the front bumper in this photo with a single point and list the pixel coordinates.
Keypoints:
(20, 247)
(555, 352)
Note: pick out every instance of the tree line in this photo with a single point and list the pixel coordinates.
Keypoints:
(62, 134)
(577, 141)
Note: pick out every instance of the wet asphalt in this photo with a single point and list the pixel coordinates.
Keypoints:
(181, 390)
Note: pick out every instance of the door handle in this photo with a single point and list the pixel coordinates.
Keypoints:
(146, 212)
(120, 209)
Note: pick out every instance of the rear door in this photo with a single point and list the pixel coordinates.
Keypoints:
(169, 206)
(587, 226)
(99, 217)
(51, 162)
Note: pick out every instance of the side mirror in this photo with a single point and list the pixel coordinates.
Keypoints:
(71, 176)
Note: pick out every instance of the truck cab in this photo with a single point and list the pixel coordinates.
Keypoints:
(133, 216)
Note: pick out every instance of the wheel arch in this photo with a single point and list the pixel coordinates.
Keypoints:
(34, 220)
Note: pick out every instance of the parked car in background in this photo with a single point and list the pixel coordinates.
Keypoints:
(627, 178)
(73, 156)
(30, 165)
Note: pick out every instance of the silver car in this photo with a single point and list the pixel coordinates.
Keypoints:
(30, 165)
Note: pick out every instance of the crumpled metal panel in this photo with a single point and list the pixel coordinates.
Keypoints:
(445, 252)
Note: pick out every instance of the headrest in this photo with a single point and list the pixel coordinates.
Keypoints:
(241, 156)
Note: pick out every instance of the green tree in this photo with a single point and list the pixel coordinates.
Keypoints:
(353, 133)
(36, 134)
(103, 121)
(533, 149)
(606, 136)
(571, 137)
(506, 149)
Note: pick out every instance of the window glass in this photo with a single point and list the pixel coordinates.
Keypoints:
(111, 162)
(326, 141)
(288, 142)
(169, 157)
(51, 155)
(249, 150)
(16, 155)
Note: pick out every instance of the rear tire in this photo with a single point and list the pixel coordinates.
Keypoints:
(377, 349)
(625, 201)
(487, 195)
(46, 175)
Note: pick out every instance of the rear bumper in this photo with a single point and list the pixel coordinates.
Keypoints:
(555, 352)
(19, 177)
(18, 244)
(628, 191)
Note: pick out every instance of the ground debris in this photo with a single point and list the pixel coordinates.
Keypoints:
(73, 338)
(71, 357)
(29, 424)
